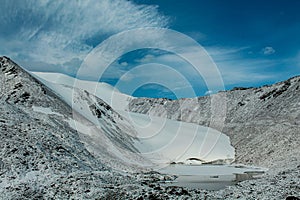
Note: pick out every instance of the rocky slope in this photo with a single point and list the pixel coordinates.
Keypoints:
(262, 123)
(42, 156)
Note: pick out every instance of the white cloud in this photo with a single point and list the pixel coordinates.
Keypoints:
(209, 92)
(268, 50)
(55, 32)
(124, 64)
(146, 58)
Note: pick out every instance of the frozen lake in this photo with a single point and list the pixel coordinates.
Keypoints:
(210, 177)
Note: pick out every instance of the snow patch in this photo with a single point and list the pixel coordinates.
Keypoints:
(46, 111)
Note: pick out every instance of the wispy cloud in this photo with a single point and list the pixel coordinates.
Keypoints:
(57, 32)
(157, 75)
(234, 69)
(225, 51)
(237, 67)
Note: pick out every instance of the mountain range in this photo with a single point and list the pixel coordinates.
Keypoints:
(66, 138)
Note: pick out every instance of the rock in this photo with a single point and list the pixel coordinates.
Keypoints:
(292, 198)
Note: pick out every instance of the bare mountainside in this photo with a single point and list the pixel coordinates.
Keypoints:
(42, 156)
(262, 123)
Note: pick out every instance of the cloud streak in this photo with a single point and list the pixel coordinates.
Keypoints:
(236, 68)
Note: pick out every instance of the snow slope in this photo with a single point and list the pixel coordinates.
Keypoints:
(106, 128)
(160, 140)
(109, 94)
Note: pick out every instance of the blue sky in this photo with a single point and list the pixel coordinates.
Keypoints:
(252, 42)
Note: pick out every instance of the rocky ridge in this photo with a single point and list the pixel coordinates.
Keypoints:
(262, 123)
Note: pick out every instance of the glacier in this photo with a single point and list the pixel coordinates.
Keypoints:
(159, 140)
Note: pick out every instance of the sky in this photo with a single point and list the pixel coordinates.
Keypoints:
(252, 43)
